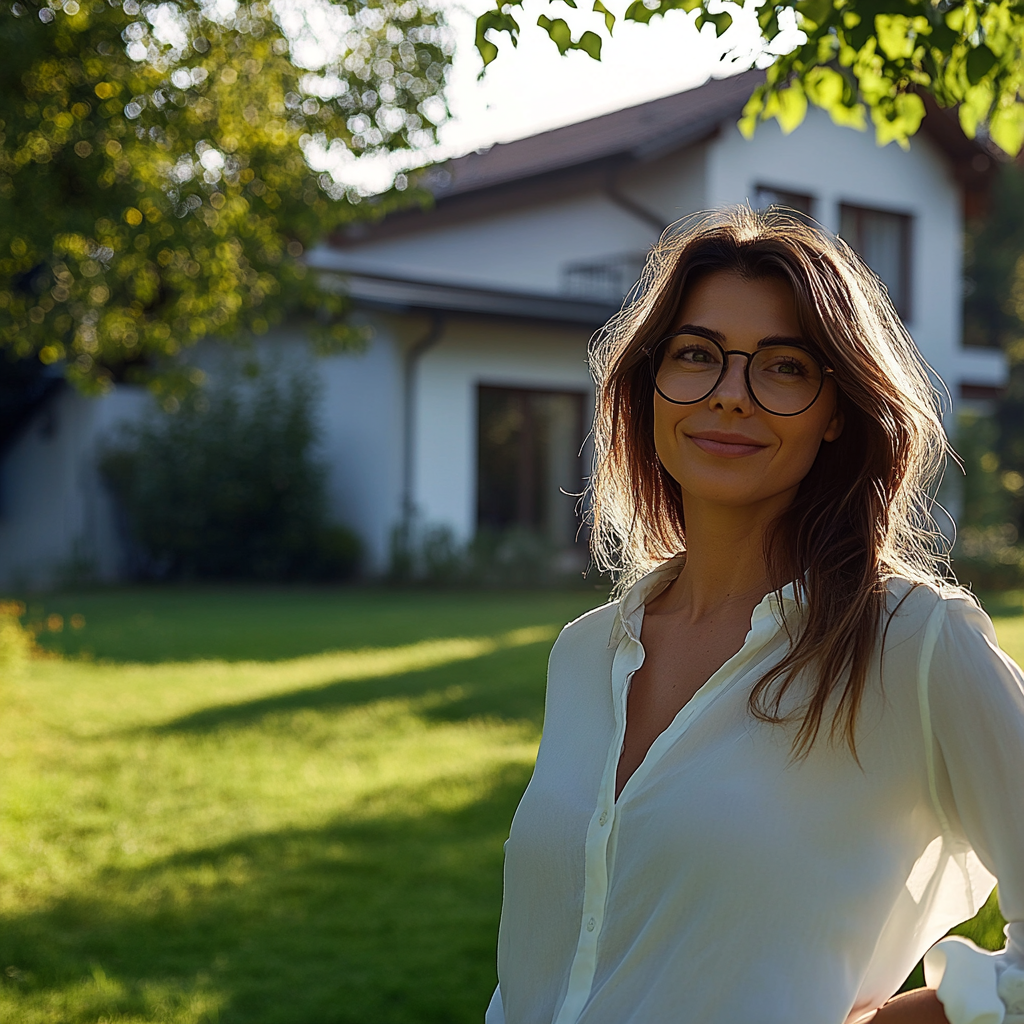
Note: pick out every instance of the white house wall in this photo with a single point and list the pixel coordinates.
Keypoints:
(473, 353)
(56, 517)
(523, 249)
(361, 414)
(840, 165)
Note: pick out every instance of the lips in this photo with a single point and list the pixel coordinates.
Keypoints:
(727, 446)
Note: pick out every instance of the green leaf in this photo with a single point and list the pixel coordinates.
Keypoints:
(720, 21)
(815, 10)
(752, 112)
(609, 18)
(638, 12)
(500, 21)
(571, 3)
(590, 44)
(558, 30)
(788, 107)
(980, 61)
(893, 32)
(1006, 128)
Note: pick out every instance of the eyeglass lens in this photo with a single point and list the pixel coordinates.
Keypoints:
(783, 379)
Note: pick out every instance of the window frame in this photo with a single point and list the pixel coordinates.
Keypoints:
(526, 390)
(904, 303)
(811, 200)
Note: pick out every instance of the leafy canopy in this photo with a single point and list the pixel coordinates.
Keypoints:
(163, 167)
(854, 58)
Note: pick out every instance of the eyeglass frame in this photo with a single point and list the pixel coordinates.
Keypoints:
(652, 351)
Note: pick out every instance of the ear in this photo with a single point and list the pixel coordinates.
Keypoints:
(835, 425)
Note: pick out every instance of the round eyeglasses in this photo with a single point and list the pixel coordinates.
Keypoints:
(784, 380)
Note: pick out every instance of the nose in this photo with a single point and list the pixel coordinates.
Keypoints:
(732, 393)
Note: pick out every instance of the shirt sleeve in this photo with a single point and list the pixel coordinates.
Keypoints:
(975, 694)
(495, 1011)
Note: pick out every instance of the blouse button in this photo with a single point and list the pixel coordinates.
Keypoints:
(591, 925)
(603, 818)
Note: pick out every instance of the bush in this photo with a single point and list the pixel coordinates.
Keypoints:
(516, 557)
(16, 642)
(227, 486)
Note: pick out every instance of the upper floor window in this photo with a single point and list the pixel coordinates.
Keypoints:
(883, 241)
(767, 195)
(606, 280)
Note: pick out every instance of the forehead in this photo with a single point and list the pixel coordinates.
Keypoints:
(741, 309)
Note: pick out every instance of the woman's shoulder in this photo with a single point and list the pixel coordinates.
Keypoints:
(912, 605)
(594, 625)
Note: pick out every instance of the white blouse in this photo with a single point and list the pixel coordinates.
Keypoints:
(730, 885)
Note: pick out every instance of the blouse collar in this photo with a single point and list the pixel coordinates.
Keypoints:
(769, 614)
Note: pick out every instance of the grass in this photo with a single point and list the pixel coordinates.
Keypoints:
(272, 806)
(265, 806)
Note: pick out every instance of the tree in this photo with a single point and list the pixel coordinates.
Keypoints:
(853, 58)
(163, 168)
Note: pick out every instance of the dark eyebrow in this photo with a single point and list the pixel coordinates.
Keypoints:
(708, 332)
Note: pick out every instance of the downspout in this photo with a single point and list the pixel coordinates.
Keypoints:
(638, 210)
(413, 355)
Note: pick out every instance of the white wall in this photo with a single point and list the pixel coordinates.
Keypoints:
(473, 353)
(840, 165)
(361, 414)
(523, 249)
(54, 509)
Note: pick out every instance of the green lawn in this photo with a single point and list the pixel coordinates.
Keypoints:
(262, 806)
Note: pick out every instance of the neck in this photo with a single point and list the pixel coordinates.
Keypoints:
(725, 562)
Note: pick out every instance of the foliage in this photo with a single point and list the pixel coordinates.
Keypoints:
(853, 58)
(16, 642)
(227, 486)
(988, 552)
(158, 178)
(515, 557)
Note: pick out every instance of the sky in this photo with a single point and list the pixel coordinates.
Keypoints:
(532, 88)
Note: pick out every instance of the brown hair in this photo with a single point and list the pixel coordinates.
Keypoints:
(861, 515)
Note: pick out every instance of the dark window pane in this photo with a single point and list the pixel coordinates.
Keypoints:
(883, 240)
(528, 464)
(767, 196)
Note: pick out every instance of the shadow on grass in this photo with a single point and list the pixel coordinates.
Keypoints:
(506, 684)
(379, 921)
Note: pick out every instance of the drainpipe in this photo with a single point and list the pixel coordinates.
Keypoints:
(413, 355)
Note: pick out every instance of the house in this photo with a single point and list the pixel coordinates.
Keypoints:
(469, 407)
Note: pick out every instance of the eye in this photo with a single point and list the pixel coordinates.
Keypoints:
(787, 365)
(694, 353)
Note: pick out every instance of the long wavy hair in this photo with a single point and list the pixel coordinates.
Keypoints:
(861, 516)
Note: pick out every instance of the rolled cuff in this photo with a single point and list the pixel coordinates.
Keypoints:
(973, 985)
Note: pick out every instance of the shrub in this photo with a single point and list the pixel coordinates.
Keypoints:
(227, 486)
(16, 642)
(515, 557)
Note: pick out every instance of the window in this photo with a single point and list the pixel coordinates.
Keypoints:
(766, 195)
(883, 241)
(529, 470)
(604, 281)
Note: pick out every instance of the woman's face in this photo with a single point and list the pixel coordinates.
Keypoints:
(726, 449)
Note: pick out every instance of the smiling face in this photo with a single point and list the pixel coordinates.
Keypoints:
(727, 450)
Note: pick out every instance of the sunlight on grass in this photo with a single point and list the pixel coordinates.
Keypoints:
(310, 836)
(314, 838)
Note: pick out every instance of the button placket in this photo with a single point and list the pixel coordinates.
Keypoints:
(628, 658)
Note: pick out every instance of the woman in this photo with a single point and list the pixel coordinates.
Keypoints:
(783, 764)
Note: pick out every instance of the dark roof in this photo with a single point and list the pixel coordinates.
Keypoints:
(642, 132)
(377, 290)
(557, 162)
